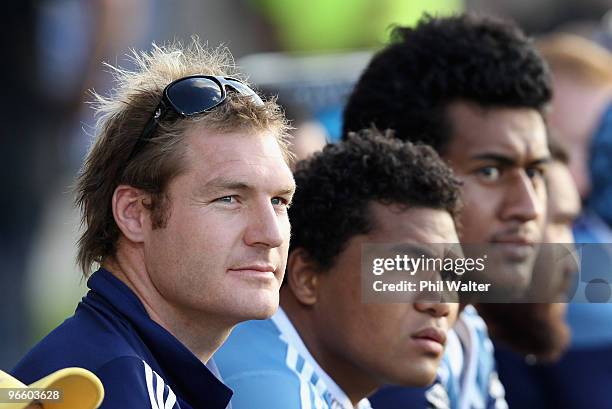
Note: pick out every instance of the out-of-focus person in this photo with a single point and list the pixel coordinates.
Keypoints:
(53, 47)
(582, 98)
(527, 348)
(581, 114)
(308, 135)
(307, 138)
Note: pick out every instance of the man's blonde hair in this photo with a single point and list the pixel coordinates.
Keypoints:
(582, 59)
(121, 117)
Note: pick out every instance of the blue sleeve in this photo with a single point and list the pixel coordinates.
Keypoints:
(269, 389)
(130, 383)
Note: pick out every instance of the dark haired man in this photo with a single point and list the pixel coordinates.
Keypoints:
(325, 348)
(544, 336)
(475, 89)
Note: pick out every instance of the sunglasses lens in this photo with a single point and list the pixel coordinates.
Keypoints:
(194, 95)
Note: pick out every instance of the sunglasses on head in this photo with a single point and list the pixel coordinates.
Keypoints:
(191, 96)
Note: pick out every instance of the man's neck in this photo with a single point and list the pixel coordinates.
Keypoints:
(201, 333)
(347, 376)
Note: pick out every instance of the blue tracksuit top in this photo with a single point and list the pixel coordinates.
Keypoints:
(140, 364)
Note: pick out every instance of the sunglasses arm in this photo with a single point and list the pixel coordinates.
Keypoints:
(149, 129)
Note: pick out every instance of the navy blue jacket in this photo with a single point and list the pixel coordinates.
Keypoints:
(140, 364)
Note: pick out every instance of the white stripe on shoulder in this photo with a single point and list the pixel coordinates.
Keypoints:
(171, 399)
(160, 391)
(291, 358)
(291, 361)
(156, 393)
(149, 379)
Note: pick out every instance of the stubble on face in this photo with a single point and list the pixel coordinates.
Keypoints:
(224, 249)
(500, 154)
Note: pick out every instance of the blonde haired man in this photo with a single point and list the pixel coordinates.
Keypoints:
(184, 200)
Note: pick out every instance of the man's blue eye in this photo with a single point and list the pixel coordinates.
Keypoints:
(227, 199)
(278, 201)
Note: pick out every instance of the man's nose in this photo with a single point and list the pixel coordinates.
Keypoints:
(265, 227)
(435, 309)
(522, 201)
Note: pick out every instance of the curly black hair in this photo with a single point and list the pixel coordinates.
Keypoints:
(409, 84)
(335, 186)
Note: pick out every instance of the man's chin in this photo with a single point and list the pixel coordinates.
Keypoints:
(510, 281)
(418, 375)
(258, 307)
(420, 372)
(509, 275)
(265, 313)
(528, 329)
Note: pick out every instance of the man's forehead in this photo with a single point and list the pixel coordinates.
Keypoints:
(253, 147)
(414, 224)
(236, 158)
(207, 140)
(516, 134)
(245, 176)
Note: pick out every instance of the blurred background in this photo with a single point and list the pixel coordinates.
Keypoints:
(307, 53)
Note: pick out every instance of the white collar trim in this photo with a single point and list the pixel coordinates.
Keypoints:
(290, 335)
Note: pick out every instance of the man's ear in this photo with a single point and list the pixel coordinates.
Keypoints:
(129, 212)
(303, 277)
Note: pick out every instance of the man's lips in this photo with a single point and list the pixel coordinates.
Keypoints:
(256, 267)
(514, 239)
(431, 340)
(254, 271)
(432, 333)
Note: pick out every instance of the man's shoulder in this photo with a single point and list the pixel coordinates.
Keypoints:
(252, 345)
(482, 346)
(87, 340)
(473, 335)
(253, 360)
(469, 348)
(468, 370)
(129, 382)
(470, 317)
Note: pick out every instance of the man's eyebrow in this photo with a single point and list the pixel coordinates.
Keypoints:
(495, 157)
(541, 161)
(222, 184)
(225, 184)
(414, 250)
(288, 191)
(508, 161)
